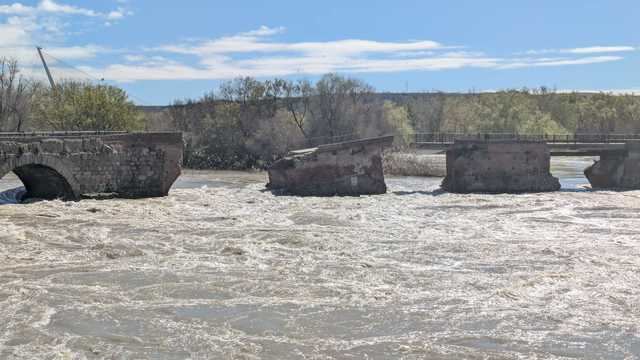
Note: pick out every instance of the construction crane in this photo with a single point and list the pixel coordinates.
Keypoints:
(46, 68)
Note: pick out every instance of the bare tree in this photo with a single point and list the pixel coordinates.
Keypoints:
(274, 91)
(16, 94)
(190, 115)
(336, 101)
(297, 99)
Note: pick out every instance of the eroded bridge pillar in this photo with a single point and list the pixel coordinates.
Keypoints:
(499, 167)
(617, 171)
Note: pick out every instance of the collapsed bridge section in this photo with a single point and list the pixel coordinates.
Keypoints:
(347, 168)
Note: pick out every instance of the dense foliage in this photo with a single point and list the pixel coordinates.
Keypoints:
(537, 111)
(26, 104)
(250, 123)
(81, 106)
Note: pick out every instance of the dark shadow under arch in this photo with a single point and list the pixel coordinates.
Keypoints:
(43, 182)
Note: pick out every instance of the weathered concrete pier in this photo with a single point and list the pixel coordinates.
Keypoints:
(499, 167)
(69, 165)
(347, 168)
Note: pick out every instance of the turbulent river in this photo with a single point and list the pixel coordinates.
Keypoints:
(223, 269)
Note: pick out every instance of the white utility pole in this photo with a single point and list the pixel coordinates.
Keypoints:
(46, 68)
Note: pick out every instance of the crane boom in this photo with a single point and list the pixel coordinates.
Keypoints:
(46, 68)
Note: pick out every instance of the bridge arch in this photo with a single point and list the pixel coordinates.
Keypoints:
(44, 176)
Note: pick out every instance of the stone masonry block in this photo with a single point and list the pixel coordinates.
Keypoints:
(52, 146)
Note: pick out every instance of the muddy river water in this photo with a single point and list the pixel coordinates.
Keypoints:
(222, 269)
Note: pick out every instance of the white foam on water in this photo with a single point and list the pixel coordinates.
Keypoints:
(235, 271)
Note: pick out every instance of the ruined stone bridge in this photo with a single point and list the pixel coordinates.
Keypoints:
(69, 165)
(520, 163)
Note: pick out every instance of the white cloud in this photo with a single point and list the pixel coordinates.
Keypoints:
(13, 35)
(16, 9)
(256, 53)
(118, 14)
(250, 44)
(583, 50)
(27, 56)
(76, 52)
(25, 26)
(257, 41)
(115, 15)
(547, 62)
(53, 7)
(134, 58)
(166, 69)
(264, 31)
(600, 49)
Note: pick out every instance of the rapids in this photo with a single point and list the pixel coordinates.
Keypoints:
(223, 269)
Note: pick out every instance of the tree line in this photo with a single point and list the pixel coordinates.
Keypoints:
(525, 111)
(248, 123)
(27, 104)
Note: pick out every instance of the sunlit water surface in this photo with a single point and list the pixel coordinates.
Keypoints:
(223, 269)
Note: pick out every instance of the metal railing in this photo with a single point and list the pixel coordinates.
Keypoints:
(58, 133)
(418, 137)
(445, 138)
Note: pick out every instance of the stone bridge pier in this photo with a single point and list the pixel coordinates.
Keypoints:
(620, 170)
(499, 167)
(67, 166)
(524, 166)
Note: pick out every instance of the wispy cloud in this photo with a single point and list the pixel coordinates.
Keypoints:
(583, 50)
(257, 41)
(546, 62)
(264, 31)
(16, 9)
(53, 7)
(600, 49)
(77, 52)
(262, 53)
(22, 27)
(256, 53)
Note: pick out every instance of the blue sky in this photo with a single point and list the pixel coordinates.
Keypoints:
(164, 50)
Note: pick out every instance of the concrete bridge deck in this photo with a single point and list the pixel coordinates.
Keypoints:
(71, 164)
